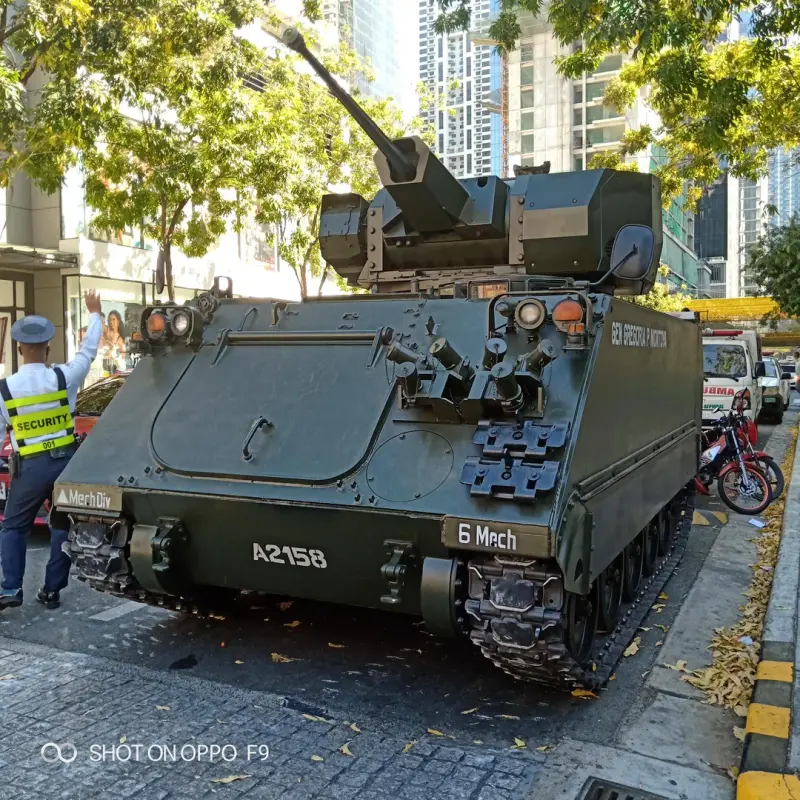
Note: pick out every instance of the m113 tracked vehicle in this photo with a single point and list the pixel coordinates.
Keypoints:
(489, 438)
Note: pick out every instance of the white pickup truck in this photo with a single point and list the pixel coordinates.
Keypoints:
(731, 362)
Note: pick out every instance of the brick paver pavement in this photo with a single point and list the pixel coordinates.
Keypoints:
(130, 732)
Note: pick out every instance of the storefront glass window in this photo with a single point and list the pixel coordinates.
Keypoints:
(122, 305)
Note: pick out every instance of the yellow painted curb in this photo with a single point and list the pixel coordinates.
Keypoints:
(767, 786)
(721, 516)
(699, 519)
(768, 720)
(775, 671)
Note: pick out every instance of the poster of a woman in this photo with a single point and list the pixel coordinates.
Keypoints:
(112, 343)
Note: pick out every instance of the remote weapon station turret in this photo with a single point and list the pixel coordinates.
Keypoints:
(489, 438)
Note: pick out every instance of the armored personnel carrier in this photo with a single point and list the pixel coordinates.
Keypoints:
(489, 438)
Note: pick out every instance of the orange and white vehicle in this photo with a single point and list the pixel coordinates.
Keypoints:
(731, 362)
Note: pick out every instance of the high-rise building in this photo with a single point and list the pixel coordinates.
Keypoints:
(565, 122)
(457, 72)
(370, 28)
(711, 233)
(784, 185)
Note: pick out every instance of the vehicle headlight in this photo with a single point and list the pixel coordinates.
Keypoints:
(181, 323)
(530, 314)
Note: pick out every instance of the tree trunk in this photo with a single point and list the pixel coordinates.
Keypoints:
(322, 280)
(168, 271)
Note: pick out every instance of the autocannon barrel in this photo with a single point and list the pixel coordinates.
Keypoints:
(402, 167)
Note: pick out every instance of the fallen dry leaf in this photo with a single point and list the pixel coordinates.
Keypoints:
(519, 744)
(162, 708)
(613, 678)
(658, 607)
(663, 596)
(216, 616)
(230, 779)
(293, 624)
(547, 748)
(477, 741)
(633, 648)
(740, 711)
(645, 629)
(508, 716)
(285, 605)
(739, 733)
(409, 745)
(678, 666)
(583, 693)
(277, 658)
(434, 732)
(345, 750)
(123, 739)
(336, 646)
(354, 727)
(317, 758)
(733, 773)
(314, 718)
(238, 662)
(471, 710)
(659, 643)
(8, 677)
(664, 628)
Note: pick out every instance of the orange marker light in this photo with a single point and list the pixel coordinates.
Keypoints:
(567, 313)
(156, 325)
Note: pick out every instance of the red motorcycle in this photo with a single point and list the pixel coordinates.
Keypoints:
(747, 432)
(741, 483)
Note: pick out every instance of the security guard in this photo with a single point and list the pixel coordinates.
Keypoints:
(38, 403)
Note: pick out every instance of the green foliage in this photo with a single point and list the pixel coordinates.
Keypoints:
(662, 297)
(149, 97)
(322, 148)
(775, 266)
(728, 100)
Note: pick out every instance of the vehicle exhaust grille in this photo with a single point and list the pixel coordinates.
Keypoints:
(597, 789)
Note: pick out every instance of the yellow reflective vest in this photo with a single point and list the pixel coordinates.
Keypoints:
(40, 423)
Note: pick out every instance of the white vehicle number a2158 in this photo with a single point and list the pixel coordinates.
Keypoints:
(290, 556)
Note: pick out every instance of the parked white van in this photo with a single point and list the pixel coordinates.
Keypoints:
(731, 362)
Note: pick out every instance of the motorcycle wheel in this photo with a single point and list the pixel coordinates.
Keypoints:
(769, 466)
(729, 489)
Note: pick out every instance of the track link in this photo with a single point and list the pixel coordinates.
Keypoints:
(529, 644)
(100, 556)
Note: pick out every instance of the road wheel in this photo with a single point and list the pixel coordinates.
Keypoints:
(651, 536)
(610, 591)
(665, 530)
(634, 556)
(581, 624)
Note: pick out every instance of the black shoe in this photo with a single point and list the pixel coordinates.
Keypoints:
(48, 599)
(10, 599)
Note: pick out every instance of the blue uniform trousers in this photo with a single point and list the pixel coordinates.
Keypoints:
(28, 491)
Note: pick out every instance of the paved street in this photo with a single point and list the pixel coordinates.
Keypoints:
(108, 673)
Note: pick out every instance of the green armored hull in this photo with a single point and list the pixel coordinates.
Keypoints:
(490, 438)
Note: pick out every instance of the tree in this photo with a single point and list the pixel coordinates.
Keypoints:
(325, 148)
(717, 99)
(775, 265)
(661, 297)
(150, 98)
